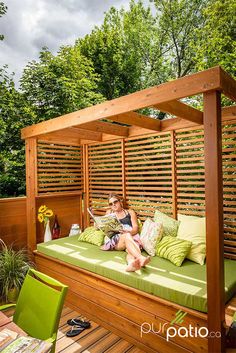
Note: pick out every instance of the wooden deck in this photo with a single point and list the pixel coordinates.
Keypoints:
(94, 340)
(99, 340)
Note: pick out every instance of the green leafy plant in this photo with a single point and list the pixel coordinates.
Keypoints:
(14, 265)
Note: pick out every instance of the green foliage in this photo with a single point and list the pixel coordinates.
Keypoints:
(14, 265)
(3, 10)
(178, 21)
(15, 113)
(216, 39)
(60, 84)
(122, 49)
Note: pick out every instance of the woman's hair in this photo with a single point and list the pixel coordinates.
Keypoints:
(112, 194)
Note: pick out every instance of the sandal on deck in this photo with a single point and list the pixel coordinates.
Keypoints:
(75, 330)
(79, 322)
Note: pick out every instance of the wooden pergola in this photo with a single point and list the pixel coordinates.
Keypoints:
(122, 122)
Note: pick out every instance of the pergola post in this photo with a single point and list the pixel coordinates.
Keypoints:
(123, 173)
(174, 178)
(214, 221)
(85, 186)
(31, 190)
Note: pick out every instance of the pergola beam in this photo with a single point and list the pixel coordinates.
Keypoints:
(72, 134)
(60, 140)
(107, 128)
(183, 87)
(136, 119)
(181, 110)
(229, 112)
(228, 85)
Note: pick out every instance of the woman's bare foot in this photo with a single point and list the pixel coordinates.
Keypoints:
(133, 266)
(144, 260)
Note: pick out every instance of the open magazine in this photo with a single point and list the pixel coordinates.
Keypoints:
(92, 216)
(11, 342)
(109, 224)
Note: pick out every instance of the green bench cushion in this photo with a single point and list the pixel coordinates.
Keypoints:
(185, 285)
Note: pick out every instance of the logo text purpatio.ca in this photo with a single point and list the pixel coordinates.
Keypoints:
(171, 331)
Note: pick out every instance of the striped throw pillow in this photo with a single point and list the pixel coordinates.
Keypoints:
(173, 249)
(92, 235)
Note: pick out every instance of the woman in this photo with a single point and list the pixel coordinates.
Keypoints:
(128, 239)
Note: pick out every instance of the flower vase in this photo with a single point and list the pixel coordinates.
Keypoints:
(47, 233)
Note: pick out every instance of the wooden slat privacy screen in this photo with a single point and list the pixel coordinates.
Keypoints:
(148, 174)
(149, 179)
(190, 172)
(229, 185)
(59, 168)
(105, 173)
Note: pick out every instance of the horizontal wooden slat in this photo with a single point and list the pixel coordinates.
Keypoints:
(147, 162)
(148, 152)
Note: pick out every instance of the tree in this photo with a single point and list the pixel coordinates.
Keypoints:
(3, 10)
(216, 39)
(178, 21)
(121, 49)
(15, 114)
(60, 84)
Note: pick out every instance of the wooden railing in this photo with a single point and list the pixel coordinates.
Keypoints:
(13, 225)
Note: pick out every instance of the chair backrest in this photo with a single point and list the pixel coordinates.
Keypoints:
(39, 305)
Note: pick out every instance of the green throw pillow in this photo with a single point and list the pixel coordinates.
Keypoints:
(92, 235)
(108, 224)
(173, 249)
(170, 225)
(193, 228)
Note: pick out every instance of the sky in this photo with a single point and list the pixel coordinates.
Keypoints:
(30, 25)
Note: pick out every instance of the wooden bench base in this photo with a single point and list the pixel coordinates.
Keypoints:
(138, 317)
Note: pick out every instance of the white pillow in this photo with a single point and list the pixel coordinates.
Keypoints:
(150, 235)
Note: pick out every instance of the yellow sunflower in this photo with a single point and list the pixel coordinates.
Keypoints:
(44, 213)
(48, 213)
(42, 209)
(40, 217)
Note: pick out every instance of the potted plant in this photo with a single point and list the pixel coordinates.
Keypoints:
(14, 265)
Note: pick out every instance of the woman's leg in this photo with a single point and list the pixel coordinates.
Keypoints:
(121, 243)
(134, 251)
(133, 263)
(132, 247)
(134, 257)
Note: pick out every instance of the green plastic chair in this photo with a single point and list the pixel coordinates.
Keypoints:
(39, 306)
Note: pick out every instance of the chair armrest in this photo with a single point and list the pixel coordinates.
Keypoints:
(7, 306)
